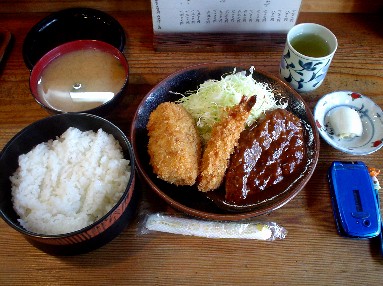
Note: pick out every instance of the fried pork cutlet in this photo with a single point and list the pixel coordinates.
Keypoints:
(174, 144)
(224, 138)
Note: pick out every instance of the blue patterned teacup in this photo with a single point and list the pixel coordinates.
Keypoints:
(307, 72)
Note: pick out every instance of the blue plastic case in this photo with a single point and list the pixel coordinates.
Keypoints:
(354, 199)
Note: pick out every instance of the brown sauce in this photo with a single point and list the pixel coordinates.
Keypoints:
(268, 153)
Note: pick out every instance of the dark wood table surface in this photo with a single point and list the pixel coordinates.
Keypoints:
(312, 253)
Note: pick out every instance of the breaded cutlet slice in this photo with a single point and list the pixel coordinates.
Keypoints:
(174, 144)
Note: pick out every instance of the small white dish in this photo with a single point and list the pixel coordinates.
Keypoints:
(370, 114)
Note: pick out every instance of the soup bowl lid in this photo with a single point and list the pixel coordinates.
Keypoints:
(70, 25)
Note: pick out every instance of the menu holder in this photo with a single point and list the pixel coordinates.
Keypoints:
(222, 25)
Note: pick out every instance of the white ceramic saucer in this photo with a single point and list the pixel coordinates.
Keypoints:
(370, 114)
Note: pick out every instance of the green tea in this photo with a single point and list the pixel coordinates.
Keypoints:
(311, 45)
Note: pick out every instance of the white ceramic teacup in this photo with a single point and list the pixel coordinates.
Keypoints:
(302, 71)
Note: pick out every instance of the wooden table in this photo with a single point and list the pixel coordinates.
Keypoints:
(312, 253)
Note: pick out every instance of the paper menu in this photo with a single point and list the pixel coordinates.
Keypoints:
(224, 16)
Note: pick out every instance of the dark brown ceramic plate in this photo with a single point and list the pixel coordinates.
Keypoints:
(188, 199)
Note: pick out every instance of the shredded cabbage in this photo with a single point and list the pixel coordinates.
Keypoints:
(207, 104)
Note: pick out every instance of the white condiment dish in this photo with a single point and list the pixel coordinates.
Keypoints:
(370, 114)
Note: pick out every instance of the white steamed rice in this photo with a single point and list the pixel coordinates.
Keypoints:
(66, 184)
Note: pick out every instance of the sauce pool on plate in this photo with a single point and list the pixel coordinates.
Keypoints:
(268, 153)
(81, 80)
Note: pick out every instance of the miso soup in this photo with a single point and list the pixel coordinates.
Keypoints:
(81, 80)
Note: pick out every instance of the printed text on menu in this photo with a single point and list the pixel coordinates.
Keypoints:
(224, 15)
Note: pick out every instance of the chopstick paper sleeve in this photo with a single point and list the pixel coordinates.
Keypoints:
(214, 229)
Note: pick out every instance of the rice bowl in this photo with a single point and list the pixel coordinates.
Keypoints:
(66, 184)
(88, 238)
